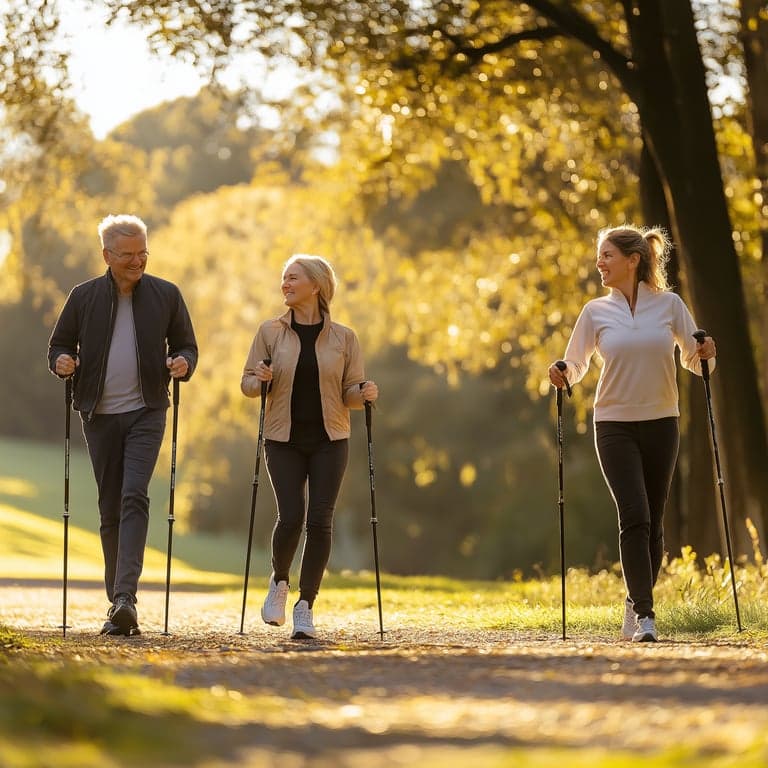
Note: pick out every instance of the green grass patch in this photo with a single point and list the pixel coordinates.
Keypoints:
(31, 524)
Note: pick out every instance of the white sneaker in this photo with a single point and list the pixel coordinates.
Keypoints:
(273, 610)
(629, 627)
(303, 626)
(646, 631)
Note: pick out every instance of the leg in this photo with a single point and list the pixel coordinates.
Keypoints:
(103, 436)
(660, 443)
(326, 472)
(287, 467)
(143, 436)
(621, 464)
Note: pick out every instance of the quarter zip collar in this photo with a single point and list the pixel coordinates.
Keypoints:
(643, 291)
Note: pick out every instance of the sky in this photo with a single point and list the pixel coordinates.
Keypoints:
(113, 74)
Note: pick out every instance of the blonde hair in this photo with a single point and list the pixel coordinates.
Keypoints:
(111, 227)
(321, 273)
(651, 244)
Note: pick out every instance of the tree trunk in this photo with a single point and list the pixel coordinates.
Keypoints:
(675, 113)
(754, 37)
(691, 515)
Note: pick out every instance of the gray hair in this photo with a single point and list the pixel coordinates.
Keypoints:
(111, 227)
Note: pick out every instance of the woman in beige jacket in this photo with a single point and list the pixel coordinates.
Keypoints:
(315, 376)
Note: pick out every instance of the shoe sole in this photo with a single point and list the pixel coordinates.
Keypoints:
(113, 630)
(646, 638)
(302, 636)
(273, 622)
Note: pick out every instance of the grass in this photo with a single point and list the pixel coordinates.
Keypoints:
(31, 524)
(690, 599)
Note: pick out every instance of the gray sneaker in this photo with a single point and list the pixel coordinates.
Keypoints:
(303, 624)
(629, 627)
(646, 631)
(273, 610)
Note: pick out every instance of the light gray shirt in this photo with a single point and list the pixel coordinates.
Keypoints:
(122, 391)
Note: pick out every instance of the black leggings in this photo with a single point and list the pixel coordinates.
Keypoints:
(292, 468)
(638, 459)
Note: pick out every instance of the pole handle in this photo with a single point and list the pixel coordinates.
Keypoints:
(264, 384)
(367, 404)
(700, 335)
(561, 365)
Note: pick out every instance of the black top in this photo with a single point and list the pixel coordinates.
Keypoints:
(306, 406)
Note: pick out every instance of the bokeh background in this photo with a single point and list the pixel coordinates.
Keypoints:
(455, 160)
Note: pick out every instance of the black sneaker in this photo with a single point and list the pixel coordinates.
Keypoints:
(123, 613)
(112, 629)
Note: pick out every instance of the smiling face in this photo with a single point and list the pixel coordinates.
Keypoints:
(127, 259)
(298, 289)
(616, 270)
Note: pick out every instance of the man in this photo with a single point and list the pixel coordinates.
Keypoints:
(122, 336)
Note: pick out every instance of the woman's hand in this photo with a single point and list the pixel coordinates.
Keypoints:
(556, 376)
(706, 349)
(262, 371)
(369, 391)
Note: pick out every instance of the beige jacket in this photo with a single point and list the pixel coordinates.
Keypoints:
(340, 367)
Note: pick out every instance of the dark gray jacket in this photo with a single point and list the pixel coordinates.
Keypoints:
(84, 330)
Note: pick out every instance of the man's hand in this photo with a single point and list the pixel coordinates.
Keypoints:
(65, 365)
(178, 366)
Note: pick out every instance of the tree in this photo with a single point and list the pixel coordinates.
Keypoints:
(649, 50)
(754, 38)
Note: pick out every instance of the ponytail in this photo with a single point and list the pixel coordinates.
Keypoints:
(651, 244)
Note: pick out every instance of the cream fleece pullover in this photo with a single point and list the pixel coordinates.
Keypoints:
(637, 382)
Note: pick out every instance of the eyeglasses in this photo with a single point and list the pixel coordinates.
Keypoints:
(126, 255)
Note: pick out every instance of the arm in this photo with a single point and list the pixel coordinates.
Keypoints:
(65, 337)
(581, 347)
(250, 383)
(181, 337)
(354, 373)
(691, 352)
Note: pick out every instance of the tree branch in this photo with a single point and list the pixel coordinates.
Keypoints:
(580, 28)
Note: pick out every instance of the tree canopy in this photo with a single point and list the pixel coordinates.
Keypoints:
(464, 159)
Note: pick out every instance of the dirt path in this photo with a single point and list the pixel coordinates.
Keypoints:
(424, 686)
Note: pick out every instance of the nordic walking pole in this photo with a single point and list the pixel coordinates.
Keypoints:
(700, 336)
(560, 498)
(254, 491)
(374, 519)
(68, 404)
(171, 495)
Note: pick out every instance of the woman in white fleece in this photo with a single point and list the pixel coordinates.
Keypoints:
(634, 329)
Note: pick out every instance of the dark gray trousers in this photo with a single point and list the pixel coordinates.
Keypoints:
(638, 459)
(123, 448)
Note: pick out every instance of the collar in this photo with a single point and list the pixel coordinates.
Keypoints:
(286, 319)
(642, 290)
